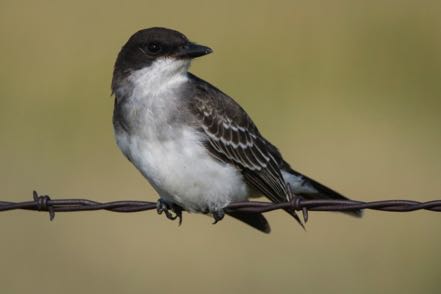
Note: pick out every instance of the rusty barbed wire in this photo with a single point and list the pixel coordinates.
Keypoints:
(45, 203)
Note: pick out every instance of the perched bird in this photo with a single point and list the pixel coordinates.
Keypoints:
(195, 145)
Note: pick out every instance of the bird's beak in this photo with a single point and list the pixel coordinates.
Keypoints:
(192, 50)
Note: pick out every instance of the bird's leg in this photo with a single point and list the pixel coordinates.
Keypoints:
(178, 212)
(164, 207)
(218, 215)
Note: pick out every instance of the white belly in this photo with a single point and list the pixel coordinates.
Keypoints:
(182, 171)
(169, 153)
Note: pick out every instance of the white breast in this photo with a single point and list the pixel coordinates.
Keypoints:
(173, 158)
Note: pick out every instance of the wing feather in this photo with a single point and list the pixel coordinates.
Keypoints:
(233, 138)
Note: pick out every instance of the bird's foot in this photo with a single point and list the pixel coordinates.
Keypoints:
(171, 211)
(218, 215)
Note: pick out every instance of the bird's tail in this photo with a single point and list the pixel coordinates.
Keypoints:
(310, 189)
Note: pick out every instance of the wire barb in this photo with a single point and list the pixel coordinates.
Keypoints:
(42, 204)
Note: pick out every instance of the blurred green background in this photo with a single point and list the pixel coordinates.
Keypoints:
(350, 91)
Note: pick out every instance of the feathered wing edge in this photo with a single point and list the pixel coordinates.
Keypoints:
(233, 138)
(324, 192)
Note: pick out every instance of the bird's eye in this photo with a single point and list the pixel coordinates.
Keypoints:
(154, 47)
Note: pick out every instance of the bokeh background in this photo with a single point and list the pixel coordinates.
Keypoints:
(350, 91)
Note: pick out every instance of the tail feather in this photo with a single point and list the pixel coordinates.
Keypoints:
(311, 189)
(257, 221)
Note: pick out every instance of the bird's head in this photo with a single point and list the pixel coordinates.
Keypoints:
(149, 45)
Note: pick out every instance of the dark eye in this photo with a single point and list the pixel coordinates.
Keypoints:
(154, 47)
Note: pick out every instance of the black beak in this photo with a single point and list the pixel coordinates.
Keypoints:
(192, 50)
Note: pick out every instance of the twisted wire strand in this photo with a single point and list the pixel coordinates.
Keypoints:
(45, 203)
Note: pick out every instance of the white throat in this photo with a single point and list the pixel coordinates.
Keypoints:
(162, 75)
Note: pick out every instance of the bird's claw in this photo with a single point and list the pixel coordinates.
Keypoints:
(218, 215)
(171, 211)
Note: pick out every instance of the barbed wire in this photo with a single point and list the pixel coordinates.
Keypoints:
(45, 203)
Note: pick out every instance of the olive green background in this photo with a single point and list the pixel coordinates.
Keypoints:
(350, 91)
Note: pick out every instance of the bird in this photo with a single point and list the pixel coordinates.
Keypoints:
(195, 145)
